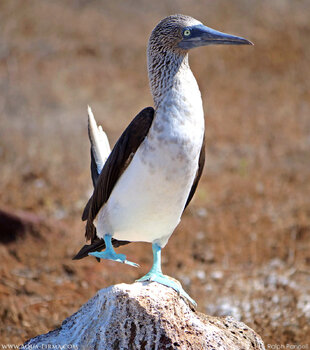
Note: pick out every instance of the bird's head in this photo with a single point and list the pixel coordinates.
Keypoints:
(182, 33)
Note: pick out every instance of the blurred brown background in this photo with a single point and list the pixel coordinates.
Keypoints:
(242, 248)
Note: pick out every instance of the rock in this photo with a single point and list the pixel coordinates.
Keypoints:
(145, 316)
(15, 225)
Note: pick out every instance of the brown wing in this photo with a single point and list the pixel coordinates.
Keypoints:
(118, 160)
(115, 165)
(201, 163)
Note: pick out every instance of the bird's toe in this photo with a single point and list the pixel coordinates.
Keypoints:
(110, 255)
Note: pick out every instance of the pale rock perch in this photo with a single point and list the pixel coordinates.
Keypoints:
(153, 170)
(145, 316)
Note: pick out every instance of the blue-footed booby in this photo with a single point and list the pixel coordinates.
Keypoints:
(143, 186)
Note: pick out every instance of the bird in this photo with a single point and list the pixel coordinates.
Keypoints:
(142, 186)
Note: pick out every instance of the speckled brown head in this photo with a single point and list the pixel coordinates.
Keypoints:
(170, 42)
(181, 33)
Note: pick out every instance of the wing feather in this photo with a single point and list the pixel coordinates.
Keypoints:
(201, 163)
(100, 147)
(116, 164)
(113, 167)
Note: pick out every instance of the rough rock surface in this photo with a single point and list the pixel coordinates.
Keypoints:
(146, 316)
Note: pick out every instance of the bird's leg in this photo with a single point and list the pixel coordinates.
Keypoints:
(110, 253)
(156, 275)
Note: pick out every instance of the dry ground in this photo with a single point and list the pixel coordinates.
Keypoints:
(242, 248)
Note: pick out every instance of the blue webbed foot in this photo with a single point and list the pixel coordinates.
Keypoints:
(168, 282)
(110, 254)
(156, 275)
(114, 257)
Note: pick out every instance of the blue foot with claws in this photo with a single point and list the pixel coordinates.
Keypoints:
(167, 281)
(110, 254)
(156, 275)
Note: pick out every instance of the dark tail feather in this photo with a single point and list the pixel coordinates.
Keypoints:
(96, 246)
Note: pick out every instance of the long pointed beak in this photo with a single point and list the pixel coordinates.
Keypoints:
(201, 35)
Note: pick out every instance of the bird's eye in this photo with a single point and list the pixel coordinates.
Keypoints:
(187, 32)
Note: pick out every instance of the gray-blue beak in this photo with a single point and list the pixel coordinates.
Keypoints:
(201, 35)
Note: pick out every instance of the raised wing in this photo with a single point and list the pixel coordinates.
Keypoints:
(115, 165)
